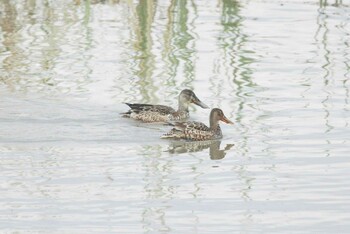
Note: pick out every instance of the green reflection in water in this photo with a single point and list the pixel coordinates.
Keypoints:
(11, 52)
(324, 3)
(179, 43)
(234, 60)
(231, 41)
(322, 37)
(34, 37)
(178, 50)
(145, 11)
(323, 40)
(235, 63)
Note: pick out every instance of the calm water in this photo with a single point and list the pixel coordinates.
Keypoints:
(279, 69)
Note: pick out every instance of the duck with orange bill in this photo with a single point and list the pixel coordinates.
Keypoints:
(198, 131)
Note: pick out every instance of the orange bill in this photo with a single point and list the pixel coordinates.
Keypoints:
(226, 120)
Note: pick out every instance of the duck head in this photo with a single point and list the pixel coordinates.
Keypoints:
(217, 115)
(187, 97)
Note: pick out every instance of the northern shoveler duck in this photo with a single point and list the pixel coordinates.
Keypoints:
(159, 113)
(198, 131)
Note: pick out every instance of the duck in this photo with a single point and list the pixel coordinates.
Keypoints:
(197, 131)
(149, 113)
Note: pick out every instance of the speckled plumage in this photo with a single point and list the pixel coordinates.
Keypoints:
(159, 113)
(198, 131)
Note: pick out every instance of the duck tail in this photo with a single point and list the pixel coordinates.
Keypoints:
(131, 105)
(137, 106)
(125, 114)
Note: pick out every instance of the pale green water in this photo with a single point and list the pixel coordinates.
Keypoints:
(278, 69)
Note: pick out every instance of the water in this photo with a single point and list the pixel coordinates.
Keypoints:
(278, 69)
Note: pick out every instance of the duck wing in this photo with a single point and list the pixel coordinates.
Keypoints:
(161, 109)
(191, 125)
(190, 131)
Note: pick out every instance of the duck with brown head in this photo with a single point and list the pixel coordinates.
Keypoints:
(160, 113)
(198, 131)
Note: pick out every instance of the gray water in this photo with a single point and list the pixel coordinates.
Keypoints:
(278, 69)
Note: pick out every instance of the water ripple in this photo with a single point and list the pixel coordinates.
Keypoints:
(70, 163)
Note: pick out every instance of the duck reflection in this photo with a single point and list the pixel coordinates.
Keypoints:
(215, 153)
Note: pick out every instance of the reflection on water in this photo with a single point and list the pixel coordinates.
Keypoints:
(179, 43)
(40, 47)
(145, 11)
(69, 163)
(235, 60)
(180, 147)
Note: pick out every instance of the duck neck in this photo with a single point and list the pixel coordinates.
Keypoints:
(214, 124)
(183, 107)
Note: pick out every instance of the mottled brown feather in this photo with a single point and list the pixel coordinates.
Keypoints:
(193, 131)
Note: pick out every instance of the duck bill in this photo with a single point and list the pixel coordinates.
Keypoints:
(226, 120)
(198, 102)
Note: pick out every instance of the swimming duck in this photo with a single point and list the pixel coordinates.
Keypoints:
(198, 131)
(159, 113)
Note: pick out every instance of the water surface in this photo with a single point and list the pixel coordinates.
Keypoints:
(70, 164)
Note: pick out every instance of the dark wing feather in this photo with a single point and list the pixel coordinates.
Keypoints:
(164, 110)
